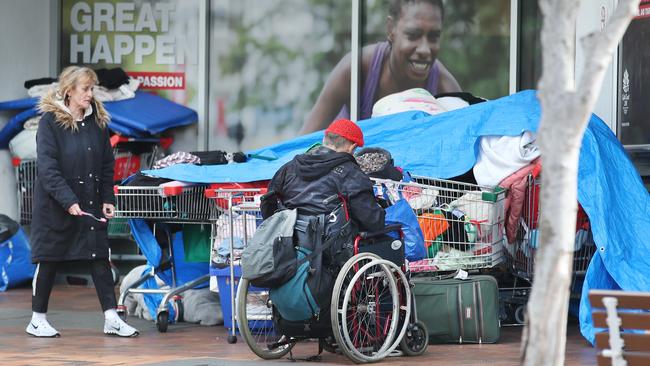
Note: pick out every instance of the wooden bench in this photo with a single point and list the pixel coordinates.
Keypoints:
(617, 311)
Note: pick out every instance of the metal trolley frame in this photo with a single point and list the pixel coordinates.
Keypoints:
(462, 223)
(126, 163)
(25, 180)
(236, 213)
(520, 255)
(185, 204)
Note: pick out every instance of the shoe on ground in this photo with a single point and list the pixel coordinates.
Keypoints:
(118, 327)
(41, 328)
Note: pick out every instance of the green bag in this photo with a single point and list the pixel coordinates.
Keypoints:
(196, 243)
(459, 311)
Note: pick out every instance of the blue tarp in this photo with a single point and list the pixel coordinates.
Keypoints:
(149, 113)
(618, 205)
(18, 104)
(442, 146)
(448, 150)
(145, 114)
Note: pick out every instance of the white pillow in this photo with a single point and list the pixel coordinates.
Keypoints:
(417, 99)
(23, 145)
(452, 103)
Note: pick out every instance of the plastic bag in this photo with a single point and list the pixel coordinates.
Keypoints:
(16, 267)
(401, 213)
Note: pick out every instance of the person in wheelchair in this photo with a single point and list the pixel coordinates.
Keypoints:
(333, 197)
(307, 181)
(336, 275)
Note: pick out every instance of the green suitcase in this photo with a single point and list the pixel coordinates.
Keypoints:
(459, 311)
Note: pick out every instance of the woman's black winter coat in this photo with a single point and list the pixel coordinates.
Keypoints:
(73, 167)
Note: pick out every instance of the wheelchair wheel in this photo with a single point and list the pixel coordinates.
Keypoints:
(255, 322)
(365, 309)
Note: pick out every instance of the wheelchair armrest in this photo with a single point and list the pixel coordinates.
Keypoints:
(387, 229)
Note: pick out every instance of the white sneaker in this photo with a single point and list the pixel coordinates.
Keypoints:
(41, 328)
(118, 327)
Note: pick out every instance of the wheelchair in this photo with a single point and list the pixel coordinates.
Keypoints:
(372, 310)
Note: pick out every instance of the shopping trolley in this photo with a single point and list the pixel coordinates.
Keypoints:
(462, 223)
(25, 179)
(520, 254)
(169, 203)
(132, 155)
(235, 216)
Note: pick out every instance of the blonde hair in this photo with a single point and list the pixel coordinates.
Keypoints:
(69, 78)
(72, 76)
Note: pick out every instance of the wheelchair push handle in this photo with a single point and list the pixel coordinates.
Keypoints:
(387, 229)
(267, 195)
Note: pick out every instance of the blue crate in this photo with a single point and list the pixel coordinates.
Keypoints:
(223, 282)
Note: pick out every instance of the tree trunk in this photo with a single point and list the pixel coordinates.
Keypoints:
(565, 114)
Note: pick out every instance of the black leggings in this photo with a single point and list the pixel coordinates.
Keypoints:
(46, 273)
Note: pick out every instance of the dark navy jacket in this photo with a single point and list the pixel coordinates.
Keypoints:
(73, 167)
(307, 180)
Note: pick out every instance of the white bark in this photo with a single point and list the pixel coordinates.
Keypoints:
(565, 114)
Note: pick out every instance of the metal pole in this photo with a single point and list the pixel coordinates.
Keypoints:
(354, 55)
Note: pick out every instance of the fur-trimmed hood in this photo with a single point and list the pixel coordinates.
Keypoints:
(48, 103)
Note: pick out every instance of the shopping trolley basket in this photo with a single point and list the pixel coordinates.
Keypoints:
(133, 154)
(520, 254)
(521, 248)
(462, 223)
(25, 180)
(236, 215)
(172, 202)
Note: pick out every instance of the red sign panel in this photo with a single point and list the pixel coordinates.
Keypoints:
(159, 80)
(644, 10)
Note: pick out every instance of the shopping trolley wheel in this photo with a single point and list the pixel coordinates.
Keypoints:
(162, 320)
(520, 314)
(179, 308)
(232, 339)
(121, 311)
(415, 340)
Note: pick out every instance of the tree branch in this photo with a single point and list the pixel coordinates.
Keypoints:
(557, 82)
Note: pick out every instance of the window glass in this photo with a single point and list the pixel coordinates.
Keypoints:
(530, 46)
(634, 82)
(154, 42)
(268, 62)
(470, 39)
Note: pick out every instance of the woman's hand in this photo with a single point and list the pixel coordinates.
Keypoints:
(108, 210)
(75, 210)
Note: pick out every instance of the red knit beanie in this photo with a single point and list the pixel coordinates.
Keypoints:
(346, 129)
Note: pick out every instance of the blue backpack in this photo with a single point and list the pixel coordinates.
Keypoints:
(319, 256)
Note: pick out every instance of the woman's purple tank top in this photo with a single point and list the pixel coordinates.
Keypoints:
(372, 83)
